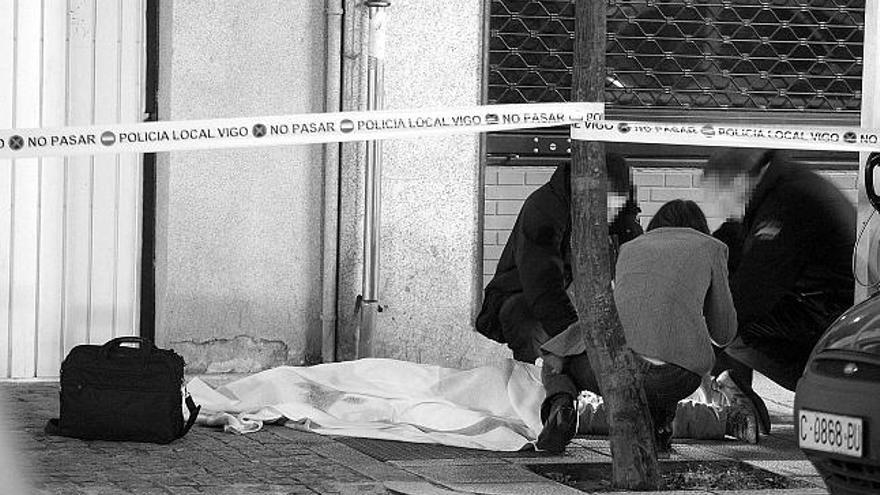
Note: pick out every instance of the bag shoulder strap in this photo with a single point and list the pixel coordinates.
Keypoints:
(193, 415)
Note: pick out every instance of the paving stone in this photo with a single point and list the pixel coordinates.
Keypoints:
(599, 445)
(417, 488)
(361, 488)
(184, 490)
(525, 488)
(791, 491)
(571, 456)
(669, 492)
(457, 473)
(465, 461)
(787, 468)
(697, 452)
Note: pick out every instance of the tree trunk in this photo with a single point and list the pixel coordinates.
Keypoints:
(619, 371)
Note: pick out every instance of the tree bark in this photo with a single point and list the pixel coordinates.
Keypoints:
(619, 371)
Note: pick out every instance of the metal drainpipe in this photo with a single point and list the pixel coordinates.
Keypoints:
(332, 103)
(369, 305)
(868, 251)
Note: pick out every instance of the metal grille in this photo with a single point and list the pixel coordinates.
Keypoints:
(852, 477)
(710, 54)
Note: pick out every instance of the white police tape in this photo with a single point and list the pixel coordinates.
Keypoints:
(586, 121)
(743, 136)
(288, 129)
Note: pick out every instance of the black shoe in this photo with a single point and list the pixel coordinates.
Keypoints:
(735, 389)
(758, 402)
(742, 423)
(560, 425)
(663, 441)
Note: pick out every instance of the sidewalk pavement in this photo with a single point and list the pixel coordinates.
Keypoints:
(280, 460)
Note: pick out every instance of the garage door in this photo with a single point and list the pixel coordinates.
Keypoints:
(69, 227)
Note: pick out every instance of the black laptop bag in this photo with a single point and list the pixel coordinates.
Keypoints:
(119, 392)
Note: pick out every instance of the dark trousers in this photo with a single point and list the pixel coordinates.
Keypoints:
(523, 332)
(664, 385)
(778, 344)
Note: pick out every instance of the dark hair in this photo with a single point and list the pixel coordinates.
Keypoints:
(680, 213)
(619, 176)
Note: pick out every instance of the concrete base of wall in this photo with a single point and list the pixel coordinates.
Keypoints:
(241, 354)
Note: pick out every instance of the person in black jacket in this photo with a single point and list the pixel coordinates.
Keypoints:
(526, 303)
(794, 273)
(731, 234)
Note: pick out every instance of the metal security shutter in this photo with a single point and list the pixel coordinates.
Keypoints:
(744, 60)
(69, 227)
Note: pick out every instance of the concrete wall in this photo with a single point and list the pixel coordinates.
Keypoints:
(430, 284)
(507, 187)
(239, 254)
(238, 263)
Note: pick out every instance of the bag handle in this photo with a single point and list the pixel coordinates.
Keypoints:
(193, 415)
(146, 346)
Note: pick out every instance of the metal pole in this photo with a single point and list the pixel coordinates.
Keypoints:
(868, 252)
(332, 103)
(369, 305)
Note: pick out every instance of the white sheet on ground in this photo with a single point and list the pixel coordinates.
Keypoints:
(491, 407)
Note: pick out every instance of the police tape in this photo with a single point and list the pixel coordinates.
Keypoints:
(586, 121)
(282, 130)
(724, 135)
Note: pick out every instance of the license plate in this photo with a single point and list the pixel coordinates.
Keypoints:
(830, 433)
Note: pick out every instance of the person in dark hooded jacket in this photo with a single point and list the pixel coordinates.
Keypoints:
(794, 274)
(526, 303)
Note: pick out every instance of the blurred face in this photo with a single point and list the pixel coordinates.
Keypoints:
(729, 195)
(615, 203)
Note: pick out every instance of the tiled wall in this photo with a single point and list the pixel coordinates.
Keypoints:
(507, 188)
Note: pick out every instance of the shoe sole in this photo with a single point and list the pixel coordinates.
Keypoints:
(555, 439)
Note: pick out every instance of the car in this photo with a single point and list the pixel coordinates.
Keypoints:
(837, 402)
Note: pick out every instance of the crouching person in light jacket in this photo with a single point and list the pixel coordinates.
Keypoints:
(674, 302)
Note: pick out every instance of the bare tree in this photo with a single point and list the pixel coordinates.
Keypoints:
(619, 371)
